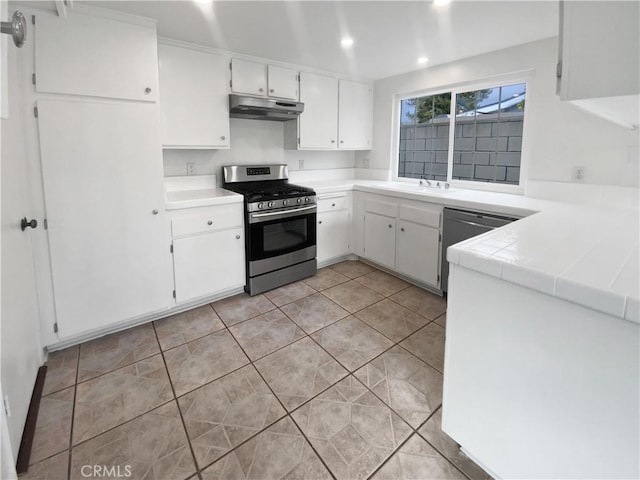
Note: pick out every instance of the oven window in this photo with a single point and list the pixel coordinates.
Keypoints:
(285, 235)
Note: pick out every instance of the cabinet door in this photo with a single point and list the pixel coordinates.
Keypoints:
(108, 235)
(95, 56)
(380, 239)
(248, 77)
(319, 122)
(418, 252)
(283, 82)
(355, 116)
(333, 234)
(193, 98)
(209, 263)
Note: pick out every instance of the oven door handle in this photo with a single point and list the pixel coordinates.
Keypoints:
(284, 214)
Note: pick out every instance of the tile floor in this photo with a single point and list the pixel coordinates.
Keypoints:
(337, 376)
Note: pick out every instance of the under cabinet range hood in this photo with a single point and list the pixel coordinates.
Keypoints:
(256, 108)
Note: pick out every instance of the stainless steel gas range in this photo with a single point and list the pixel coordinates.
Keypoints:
(280, 225)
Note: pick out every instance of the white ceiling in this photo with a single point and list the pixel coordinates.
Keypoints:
(389, 36)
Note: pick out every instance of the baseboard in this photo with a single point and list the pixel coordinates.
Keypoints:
(24, 454)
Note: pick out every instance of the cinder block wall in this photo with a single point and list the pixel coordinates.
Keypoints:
(486, 149)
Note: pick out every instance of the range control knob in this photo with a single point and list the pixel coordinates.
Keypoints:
(299, 200)
(261, 205)
(270, 204)
(284, 202)
(306, 199)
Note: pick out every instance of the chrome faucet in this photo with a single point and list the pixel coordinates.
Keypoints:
(423, 181)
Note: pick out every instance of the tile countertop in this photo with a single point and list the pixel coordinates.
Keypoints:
(585, 255)
(196, 191)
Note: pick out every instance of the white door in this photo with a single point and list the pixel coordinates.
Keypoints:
(319, 121)
(194, 101)
(418, 252)
(248, 77)
(283, 82)
(355, 115)
(21, 352)
(208, 263)
(108, 236)
(333, 234)
(380, 239)
(96, 56)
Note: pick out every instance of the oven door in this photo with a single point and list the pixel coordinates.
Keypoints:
(280, 239)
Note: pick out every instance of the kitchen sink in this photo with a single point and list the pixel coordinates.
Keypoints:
(414, 188)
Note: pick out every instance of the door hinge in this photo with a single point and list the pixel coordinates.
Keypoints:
(230, 65)
(298, 141)
(439, 237)
(559, 70)
(55, 327)
(33, 78)
(33, 19)
(298, 77)
(35, 112)
(230, 84)
(438, 277)
(171, 248)
(46, 224)
(174, 294)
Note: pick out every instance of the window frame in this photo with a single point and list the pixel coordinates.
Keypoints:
(493, 82)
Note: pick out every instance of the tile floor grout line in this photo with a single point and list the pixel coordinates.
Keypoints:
(446, 457)
(73, 413)
(175, 399)
(246, 319)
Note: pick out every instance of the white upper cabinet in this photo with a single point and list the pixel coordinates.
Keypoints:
(599, 60)
(355, 115)
(96, 56)
(283, 82)
(193, 98)
(318, 124)
(254, 78)
(248, 77)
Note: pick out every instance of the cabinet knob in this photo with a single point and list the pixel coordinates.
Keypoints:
(147, 91)
(223, 137)
(237, 237)
(402, 229)
(24, 224)
(333, 204)
(261, 90)
(333, 141)
(155, 212)
(390, 226)
(341, 141)
(320, 222)
(209, 222)
(271, 90)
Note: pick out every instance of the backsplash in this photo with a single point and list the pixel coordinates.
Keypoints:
(255, 142)
(606, 196)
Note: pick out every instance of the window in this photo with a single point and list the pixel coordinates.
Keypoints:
(486, 125)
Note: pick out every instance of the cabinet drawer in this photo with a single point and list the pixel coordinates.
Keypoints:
(381, 208)
(333, 202)
(423, 216)
(213, 219)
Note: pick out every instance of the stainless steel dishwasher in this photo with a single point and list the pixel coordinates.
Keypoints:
(458, 225)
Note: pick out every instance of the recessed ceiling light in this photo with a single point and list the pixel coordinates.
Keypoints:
(441, 3)
(423, 60)
(347, 42)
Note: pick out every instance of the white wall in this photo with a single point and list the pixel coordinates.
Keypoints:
(253, 142)
(561, 135)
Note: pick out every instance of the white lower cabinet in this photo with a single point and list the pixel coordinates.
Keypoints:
(333, 226)
(208, 256)
(380, 239)
(404, 236)
(417, 253)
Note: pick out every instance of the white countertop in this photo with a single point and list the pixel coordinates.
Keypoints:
(196, 191)
(586, 255)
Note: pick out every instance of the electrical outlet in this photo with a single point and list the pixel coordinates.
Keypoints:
(578, 174)
(191, 168)
(301, 164)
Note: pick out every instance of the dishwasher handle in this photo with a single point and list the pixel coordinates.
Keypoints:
(474, 224)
